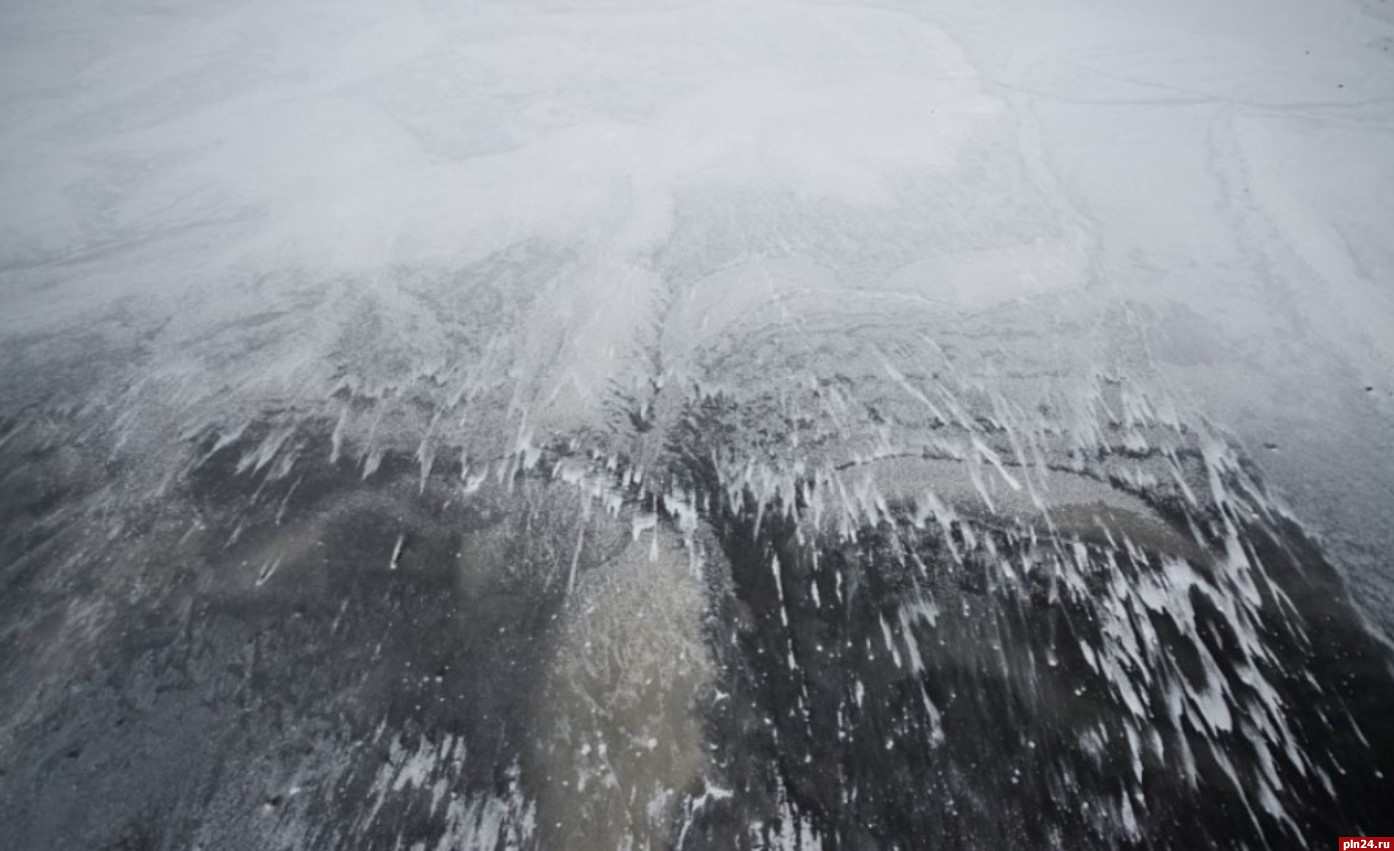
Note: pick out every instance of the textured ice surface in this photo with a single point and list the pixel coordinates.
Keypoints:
(975, 415)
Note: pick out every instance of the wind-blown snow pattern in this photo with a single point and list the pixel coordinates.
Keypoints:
(695, 426)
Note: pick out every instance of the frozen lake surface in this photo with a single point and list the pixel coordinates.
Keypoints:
(601, 425)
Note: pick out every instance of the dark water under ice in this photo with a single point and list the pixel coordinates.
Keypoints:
(570, 656)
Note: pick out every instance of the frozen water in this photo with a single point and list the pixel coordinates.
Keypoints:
(968, 373)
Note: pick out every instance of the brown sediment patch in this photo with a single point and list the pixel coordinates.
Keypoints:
(904, 478)
(1147, 531)
(619, 742)
(1074, 504)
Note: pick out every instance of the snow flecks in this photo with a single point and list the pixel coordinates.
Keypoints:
(336, 438)
(643, 521)
(372, 459)
(285, 500)
(426, 459)
(266, 451)
(1135, 664)
(990, 455)
(1131, 829)
(933, 716)
(526, 453)
(1134, 750)
(225, 439)
(788, 831)
(473, 482)
(922, 609)
(575, 557)
(697, 803)
(978, 485)
(268, 569)
(945, 517)
(428, 775)
(779, 590)
(918, 396)
(911, 645)
(890, 642)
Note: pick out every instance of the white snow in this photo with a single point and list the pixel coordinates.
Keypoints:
(1214, 177)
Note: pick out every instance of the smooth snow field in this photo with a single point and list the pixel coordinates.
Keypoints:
(438, 425)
